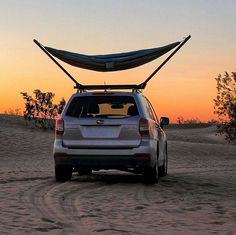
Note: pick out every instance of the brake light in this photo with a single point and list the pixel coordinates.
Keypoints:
(144, 156)
(59, 127)
(144, 127)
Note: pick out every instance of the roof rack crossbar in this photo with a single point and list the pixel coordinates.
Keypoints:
(109, 87)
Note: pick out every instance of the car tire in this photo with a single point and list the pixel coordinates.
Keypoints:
(164, 169)
(151, 175)
(63, 173)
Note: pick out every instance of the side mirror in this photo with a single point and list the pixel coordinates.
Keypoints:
(164, 121)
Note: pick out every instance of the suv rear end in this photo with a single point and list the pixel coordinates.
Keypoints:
(104, 130)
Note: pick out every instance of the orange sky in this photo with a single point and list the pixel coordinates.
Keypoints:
(184, 87)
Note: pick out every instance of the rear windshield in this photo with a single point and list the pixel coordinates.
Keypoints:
(102, 106)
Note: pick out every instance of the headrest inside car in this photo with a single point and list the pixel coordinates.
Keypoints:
(93, 108)
(132, 111)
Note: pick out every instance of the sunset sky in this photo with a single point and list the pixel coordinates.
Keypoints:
(184, 87)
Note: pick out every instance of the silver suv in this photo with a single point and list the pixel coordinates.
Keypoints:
(110, 130)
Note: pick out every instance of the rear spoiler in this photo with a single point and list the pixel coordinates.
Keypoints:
(141, 86)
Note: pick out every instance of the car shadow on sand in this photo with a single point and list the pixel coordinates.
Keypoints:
(177, 183)
(109, 177)
(172, 180)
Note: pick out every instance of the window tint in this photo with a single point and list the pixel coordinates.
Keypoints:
(153, 111)
(150, 110)
(102, 106)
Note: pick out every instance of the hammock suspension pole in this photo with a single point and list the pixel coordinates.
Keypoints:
(143, 85)
(78, 85)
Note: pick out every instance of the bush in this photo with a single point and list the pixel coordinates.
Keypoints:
(40, 110)
(225, 105)
(16, 112)
(181, 120)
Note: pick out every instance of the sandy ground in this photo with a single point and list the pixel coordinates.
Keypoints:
(197, 197)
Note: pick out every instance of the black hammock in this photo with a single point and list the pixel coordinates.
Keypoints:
(112, 62)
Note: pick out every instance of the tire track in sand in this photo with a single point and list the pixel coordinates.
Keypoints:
(47, 200)
(58, 205)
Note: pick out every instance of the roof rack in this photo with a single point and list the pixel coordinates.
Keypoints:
(109, 87)
(141, 86)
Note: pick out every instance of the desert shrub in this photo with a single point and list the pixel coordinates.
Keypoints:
(16, 112)
(181, 120)
(40, 109)
(225, 105)
(213, 122)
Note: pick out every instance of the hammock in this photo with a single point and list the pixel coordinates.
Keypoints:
(111, 62)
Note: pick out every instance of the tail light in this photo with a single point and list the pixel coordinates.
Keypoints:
(144, 127)
(59, 127)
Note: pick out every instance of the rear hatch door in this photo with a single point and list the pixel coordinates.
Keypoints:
(102, 122)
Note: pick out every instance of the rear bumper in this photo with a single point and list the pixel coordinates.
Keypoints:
(103, 162)
(139, 157)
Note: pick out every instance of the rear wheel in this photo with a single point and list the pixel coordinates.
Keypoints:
(163, 169)
(63, 173)
(150, 174)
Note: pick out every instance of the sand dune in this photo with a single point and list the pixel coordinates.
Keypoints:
(197, 197)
